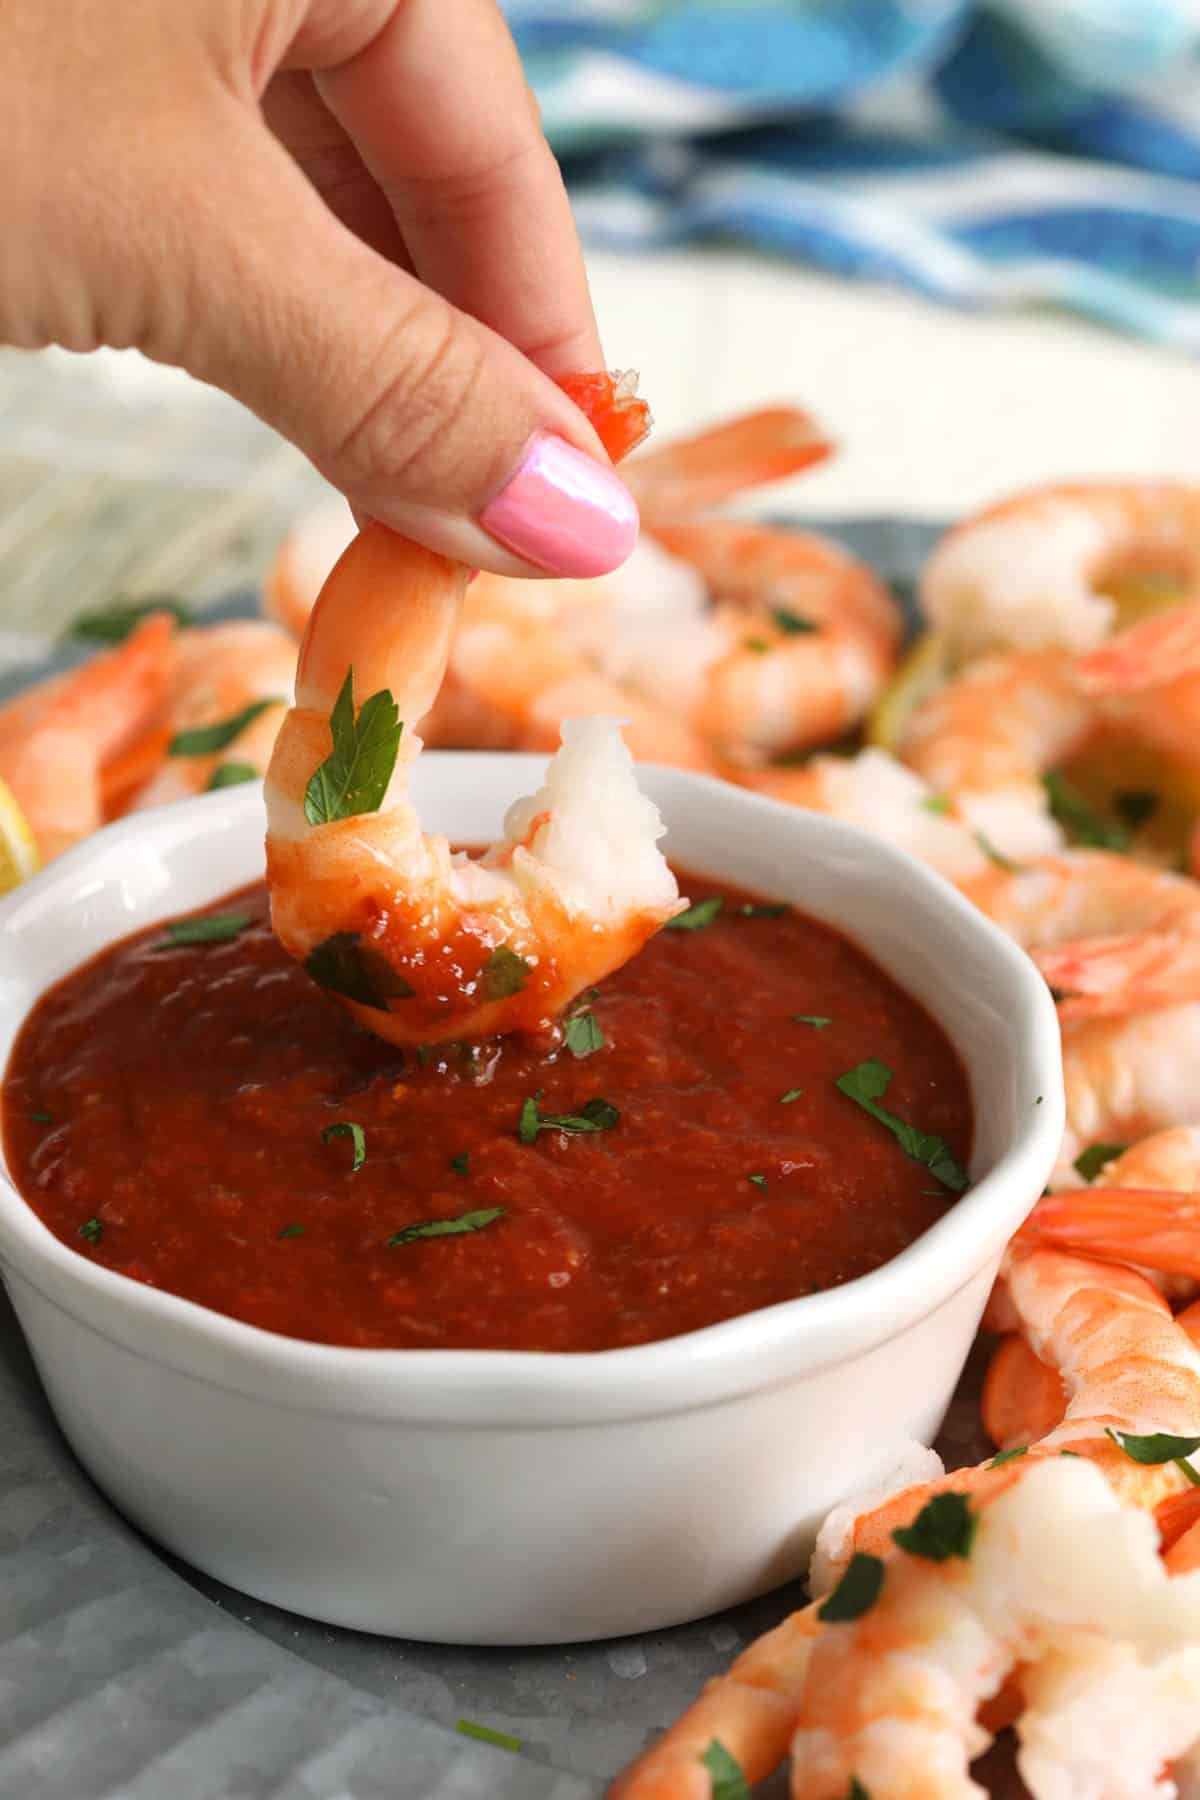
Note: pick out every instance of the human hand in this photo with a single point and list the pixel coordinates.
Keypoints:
(344, 213)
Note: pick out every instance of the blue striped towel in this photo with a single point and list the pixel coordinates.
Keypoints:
(1018, 153)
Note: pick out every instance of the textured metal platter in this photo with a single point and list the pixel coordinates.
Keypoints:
(126, 1676)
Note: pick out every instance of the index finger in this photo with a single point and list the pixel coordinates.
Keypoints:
(440, 111)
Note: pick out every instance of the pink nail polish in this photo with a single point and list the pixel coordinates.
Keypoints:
(563, 511)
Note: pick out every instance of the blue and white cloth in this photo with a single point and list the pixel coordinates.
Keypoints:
(1013, 153)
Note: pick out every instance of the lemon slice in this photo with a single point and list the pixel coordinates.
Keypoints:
(927, 667)
(19, 857)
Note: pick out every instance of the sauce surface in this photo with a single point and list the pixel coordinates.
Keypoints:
(164, 1109)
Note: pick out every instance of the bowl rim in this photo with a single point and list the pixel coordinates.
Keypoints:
(750, 1352)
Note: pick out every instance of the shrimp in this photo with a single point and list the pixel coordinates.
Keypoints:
(1040, 570)
(58, 739)
(419, 944)
(678, 480)
(875, 791)
(1051, 1575)
(1111, 935)
(222, 673)
(1128, 1077)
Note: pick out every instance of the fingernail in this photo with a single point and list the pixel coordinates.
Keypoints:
(563, 511)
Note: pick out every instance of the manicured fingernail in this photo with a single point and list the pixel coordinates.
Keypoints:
(563, 511)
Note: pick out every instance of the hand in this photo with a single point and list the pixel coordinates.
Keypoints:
(344, 213)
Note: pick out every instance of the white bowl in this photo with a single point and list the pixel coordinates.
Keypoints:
(506, 1497)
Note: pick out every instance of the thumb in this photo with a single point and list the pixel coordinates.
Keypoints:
(423, 417)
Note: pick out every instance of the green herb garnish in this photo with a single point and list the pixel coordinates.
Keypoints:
(501, 1739)
(42, 1118)
(763, 909)
(792, 1094)
(504, 973)
(231, 774)
(354, 776)
(1156, 1447)
(792, 624)
(1006, 1456)
(92, 1230)
(583, 1035)
(1082, 824)
(596, 1115)
(757, 646)
(866, 1084)
(204, 740)
(857, 1591)
(212, 928)
(433, 1228)
(347, 966)
(856, 1790)
(347, 1128)
(461, 1164)
(696, 917)
(291, 1231)
(996, 856)
(936, 803)
(1089, 1162)
(725, 1773)
(113, 624)
(944, 1527)
(817, 1022)
(758, 1180)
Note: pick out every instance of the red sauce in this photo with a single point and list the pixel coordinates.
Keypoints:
(164, 1105)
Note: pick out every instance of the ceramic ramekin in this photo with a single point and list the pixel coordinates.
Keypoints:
(498, 1497)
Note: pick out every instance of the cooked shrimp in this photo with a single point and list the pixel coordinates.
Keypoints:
(1110, 934)
(221, 672)
(875, 791)
(1039, 570)
(1053, 1575)
(1128, 1077)
(58, 738)
(419, 944)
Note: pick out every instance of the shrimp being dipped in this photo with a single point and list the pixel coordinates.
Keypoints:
(419, 944)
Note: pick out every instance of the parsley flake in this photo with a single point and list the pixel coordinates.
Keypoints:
(866, 1084)
(291, 1231)
(1089, 1162)
(857, 1591)
(504, 973)
(347, 1128)
(347, 966)
(432, 1228)
(204, 740)
(1006, 1456)
(92, 1230)
(42, 1118)
(817, 1022)
(757, 646)
(1081, 823)
(1156, 1447)
(792, 624)
(461, 1164)
(758, 1180)
(595, 1115)
(212, 928)
(503, 1740)
(996, 856)
(856, 1790)
(763, 909)
(231, 774)
(944, 1527)
(792, 1094)
(583, 1035)
(725, 1772)
(113, 624)
(354, 776)
(936, 803)
(696, 917)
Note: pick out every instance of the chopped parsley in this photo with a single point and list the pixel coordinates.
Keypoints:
(816, 1020)
(696, 917)
(583, 1035)
(213, 928)
(725, 1773)
(347, 1128)
(42, 1118)
(1159, 1447)
(504, 973)
(1082, 824)
(1089, 1162)
(792, 1094)
(347, 966)
(204, 740)
(1006, 1456)
(595, 1115)
(856, 1790)
(944, 1527)
(231, 774)
(501, 1739)
(792, 624)
(433, 1228)
(354, 776)
(857, 1591)
(866, 1084)
(936, 803)
(996, 856)
(757, 646)
(461, 1164)
(763, 909)
(92, 1230)
(758, 1180)
(291, 1231)
(113, 624)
